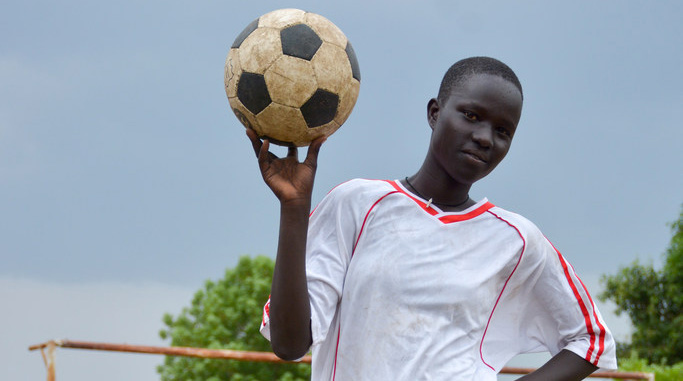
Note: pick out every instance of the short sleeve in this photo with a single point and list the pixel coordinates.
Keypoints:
(548, 308)
(570, 319)
(331, 232)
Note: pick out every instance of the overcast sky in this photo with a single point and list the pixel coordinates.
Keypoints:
(126, 181)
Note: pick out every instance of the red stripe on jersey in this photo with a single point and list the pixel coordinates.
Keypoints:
(366, 219)
(336, 351)
(601, 339)
(481, 345)
(462, 217)
(582, 305)
(447, 219)
(266, 311)
(429, 210)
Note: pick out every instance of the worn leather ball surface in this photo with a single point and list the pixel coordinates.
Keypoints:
(292, 76)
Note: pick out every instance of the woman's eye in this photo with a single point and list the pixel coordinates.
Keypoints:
(503, 131)
(470, 115)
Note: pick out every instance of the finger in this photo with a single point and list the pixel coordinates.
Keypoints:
(293, 152)
(314, 150)
(263, 153)
(255, 141)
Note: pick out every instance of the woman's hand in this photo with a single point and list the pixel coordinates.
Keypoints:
(289, 179)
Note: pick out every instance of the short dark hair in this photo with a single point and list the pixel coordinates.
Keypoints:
(463, 69)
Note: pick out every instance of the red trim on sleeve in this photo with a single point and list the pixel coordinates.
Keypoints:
(601, 339)
(266, 311)
(584, 311)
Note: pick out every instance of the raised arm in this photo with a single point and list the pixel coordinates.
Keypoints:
(292, 183)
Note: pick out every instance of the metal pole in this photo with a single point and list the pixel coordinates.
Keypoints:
(51, 361)
(247, 356)
(170, 351)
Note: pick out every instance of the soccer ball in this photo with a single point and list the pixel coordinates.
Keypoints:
(292, 76)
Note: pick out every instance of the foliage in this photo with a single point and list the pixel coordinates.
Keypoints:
(226, 314)
(653, 299)
(662, 372)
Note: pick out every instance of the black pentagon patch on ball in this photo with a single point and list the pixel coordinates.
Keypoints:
(320, 108)
(355, 69)
(253, 92)
(300, 41)
(245, 33)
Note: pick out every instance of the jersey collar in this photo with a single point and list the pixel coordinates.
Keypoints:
(445, 217)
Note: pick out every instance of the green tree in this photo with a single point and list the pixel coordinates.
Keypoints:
(653, 299)
(226, 314)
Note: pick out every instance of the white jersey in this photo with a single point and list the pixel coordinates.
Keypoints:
(401, 290)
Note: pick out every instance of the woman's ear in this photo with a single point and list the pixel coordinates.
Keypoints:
(432, 112)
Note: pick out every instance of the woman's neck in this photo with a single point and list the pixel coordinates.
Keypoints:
(441, 189)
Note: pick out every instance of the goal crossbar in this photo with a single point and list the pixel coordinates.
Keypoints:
(229, 354)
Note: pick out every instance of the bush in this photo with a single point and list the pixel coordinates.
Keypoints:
(226, 314)
(662, 372)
